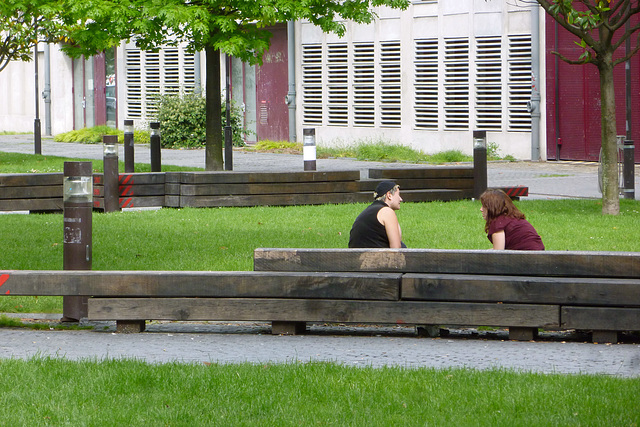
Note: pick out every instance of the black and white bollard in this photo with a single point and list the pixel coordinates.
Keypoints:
(110, 175)
(309, 149)
(156, 151)
(128, 147)
(629, 170)
(479, 163)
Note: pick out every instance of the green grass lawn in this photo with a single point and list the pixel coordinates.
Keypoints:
(57, 392)
(134, 393)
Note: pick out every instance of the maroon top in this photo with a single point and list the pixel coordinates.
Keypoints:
(518, 234)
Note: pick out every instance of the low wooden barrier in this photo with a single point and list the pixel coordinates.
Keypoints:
(596, 291)
(43, 192)
(31, 192)
(214, 189)
(135, 190)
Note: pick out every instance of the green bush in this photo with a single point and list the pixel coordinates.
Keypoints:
(183, 121)
(94, 135)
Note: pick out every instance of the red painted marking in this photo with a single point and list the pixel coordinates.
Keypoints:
(126, 190)
(124, 179)
(126, 203)
(3, 278)
(7, 293)
(96, 192)
(97, 179)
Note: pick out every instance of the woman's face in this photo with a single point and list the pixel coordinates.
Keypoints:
(484, 212)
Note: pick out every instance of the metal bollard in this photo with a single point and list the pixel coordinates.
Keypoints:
(156, 152)
(629, 170)
(128, 147)
(309, 149)
(77, 202)
(110, 166)
(479, 163)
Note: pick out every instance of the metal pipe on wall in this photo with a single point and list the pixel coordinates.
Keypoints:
(535, 79)
(291, 95)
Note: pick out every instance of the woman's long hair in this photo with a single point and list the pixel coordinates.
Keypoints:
(496, 203)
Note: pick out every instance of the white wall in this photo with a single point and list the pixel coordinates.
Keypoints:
(17, 94)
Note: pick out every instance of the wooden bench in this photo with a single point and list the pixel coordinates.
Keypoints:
(524, 291)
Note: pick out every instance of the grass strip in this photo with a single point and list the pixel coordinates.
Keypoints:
(39, 163)
(130, 392)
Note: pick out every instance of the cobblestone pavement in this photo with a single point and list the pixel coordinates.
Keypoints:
(377, 346)
(189, 342)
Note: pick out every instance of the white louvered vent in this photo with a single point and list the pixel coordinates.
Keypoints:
(133, 84)
(456, 84)
(338, 84)
(312, 84)
(189, 68)
(519, 82)
(488, 83)
(364, 84)
(171, 71)
(390, 84)
(426, 84)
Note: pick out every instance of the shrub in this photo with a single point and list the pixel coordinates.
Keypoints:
(183, 121)
(94, 135)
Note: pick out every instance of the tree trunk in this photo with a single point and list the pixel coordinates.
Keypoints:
(610, 183)
(213, 148)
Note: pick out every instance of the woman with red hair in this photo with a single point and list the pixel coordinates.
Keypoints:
(506, 226)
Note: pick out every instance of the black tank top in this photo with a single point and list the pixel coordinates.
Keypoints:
(367, 232)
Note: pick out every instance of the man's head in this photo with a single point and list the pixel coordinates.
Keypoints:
(388, 192)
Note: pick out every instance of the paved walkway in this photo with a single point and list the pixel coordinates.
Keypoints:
(350, 345)
(545, 179)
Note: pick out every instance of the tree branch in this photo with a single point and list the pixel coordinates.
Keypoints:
(574, 61)
(630, 54)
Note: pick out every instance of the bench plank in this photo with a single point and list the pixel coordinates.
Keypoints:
(299, 310)
(423, 172)
(521, 289)
(452, 261)
(228, 177)
(272, 188)
(600, 318)
(252, 284)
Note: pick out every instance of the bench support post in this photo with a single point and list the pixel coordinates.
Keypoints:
(522, 334)
(288, 328)
(130, 326)
(604, 337)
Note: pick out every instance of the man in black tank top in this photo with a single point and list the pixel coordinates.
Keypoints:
(377, 226)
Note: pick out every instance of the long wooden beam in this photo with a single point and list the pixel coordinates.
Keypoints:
(224, 284)
(516, 263)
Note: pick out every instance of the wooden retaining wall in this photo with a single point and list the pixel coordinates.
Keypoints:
(43, 192)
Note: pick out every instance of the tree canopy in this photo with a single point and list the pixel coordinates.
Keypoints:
(22, 23)
(234, 27)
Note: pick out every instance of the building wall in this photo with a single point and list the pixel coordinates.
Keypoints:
(426, 77)
(17, 92)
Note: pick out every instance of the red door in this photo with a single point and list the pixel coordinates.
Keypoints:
(573, 100)
(272, 121)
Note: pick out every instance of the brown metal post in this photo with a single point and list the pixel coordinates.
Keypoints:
(77, 202)
(110, 166)
(156, 152)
